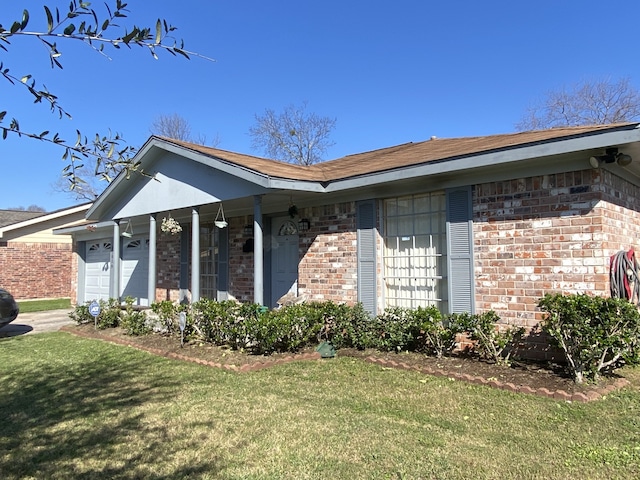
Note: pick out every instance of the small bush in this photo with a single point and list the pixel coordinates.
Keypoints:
(595, 334)
(396, 329)
(438, 335)
(134, 322)
(491, 341)
(346, 326)
(109, 314)
(168, 313)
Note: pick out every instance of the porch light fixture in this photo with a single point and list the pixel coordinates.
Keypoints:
(611, 156)
(128, 231)
(304, 225)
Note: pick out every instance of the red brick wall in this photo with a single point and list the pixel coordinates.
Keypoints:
(328, 254)
(168, 267)
(546, 234)
(328, 257)
(36, 270)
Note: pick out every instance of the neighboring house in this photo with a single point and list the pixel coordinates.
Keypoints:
(35, 263)
(467, 224)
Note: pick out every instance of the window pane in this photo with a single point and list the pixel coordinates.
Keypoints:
(415, 251)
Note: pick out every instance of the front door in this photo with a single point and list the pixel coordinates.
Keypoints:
(284, 258)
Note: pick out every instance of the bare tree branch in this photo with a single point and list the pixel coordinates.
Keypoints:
(293, 136)
(588, 103)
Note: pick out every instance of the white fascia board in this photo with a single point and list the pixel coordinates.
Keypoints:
(499, 157)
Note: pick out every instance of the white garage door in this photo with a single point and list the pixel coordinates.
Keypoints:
(135, 269)
(97, 268)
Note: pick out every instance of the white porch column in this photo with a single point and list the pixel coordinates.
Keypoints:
(195, 254)
(114, 290)
(152, 279)
(258, 252)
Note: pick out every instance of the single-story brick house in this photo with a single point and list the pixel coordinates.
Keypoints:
(467, 224)
(35, 263)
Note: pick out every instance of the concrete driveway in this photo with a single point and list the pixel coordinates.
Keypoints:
(36, 322)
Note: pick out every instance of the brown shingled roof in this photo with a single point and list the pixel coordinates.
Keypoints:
(9, 217)
(398, 156)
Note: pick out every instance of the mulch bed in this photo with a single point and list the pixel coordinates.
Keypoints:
(548, 380)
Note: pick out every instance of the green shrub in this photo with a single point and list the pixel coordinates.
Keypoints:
(225, 323)
(346, 326)
(491, 341)
(396, 329)
(109, 314)
(437, 334)
(287, 329)
(168, 313)
(595, 334)
(80, 314)
(133, 321)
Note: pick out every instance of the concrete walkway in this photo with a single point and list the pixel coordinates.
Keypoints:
(37, 322)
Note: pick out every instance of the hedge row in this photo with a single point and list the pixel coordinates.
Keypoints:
(596, 334)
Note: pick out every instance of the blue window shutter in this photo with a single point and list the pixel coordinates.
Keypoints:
(367, 268)
(460, 250)
(223, 264)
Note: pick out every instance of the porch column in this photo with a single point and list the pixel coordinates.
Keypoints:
(114, 290)
(195, 254)
(258, 252)
(152, 279)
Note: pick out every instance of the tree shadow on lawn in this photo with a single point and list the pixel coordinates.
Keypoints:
(85, 423)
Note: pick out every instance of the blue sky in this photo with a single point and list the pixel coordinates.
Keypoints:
(389, 72)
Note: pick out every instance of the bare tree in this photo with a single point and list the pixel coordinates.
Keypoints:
(588, 103)
(30, 208)
(294, 135)
(172, 126)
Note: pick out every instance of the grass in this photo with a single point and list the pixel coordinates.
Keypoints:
(44, 305)
(79, 408)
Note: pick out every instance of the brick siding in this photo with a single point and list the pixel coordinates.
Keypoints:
(36, 270)
(546, 234)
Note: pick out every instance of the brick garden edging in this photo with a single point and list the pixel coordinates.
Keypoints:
(594, 394)
(561, 395)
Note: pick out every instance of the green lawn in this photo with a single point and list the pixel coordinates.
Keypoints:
(78, 408)
(43, 305)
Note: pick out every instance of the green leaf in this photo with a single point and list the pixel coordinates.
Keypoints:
(49, 19)
(15, 27)
(25, 19)
(70, 29)
(25, 78)
(158, 31)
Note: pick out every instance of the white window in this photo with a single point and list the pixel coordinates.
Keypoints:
(415, 250)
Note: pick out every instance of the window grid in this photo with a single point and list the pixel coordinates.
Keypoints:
(208, 261)
(414, 255)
